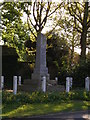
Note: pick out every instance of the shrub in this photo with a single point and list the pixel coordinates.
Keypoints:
(79, 95)
(80, 73)
(39, 97)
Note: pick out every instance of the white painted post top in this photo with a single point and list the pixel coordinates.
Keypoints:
(56, 78)
(15, 85)
(44, 84)
(19, 81)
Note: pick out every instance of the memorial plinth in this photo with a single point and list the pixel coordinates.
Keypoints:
(40, 69)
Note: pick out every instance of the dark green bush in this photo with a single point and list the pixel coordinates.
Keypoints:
(8, 97)
(79, 95)
(39, 97)
(80, 73)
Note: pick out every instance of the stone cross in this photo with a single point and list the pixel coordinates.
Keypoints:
(40, 63)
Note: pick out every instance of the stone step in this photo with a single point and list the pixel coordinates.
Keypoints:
(52, 82)
(30, 82)
(29, 85)
(27, 88)
(33, 85)
(58, 88)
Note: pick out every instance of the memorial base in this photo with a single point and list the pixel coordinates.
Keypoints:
(35, 85)
(38, 77)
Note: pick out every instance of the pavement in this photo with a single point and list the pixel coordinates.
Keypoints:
(78, 115)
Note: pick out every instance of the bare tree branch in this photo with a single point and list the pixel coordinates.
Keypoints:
(31, 22)
(34, 15)
(76, 16)
(78, 29)
(88, 24)
(37, 6)
(78, 11)
(52, 30)
(30, 28)
(42, 6)
(55, 10)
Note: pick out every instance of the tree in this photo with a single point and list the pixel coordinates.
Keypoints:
(67, 31)
(80, 12)
(57, 52)
(15, 32)
(41, 11)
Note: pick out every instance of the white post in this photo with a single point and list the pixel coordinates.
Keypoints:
(48, 77)
(44, 84)
(2, 82)
(19, 80)
(15, 85)
(71, 79)
(87, 83)
(67, 84)
(56, 78)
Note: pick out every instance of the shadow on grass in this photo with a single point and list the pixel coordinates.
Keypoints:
(12, 110)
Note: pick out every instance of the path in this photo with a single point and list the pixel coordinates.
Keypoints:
(79, 115)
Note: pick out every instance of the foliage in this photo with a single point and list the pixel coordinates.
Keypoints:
(16, 37)
(37, 103)
(39, 97)
(80, 13)
(80, 72)
(14, 31)
(57, 51)
(41, 11)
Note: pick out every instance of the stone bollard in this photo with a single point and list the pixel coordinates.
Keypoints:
(67, 84)
(19, 80)
(71, 80)
(56, 78)
(44, 84)
(15, 85)
(87, 83)
(2, 82)
(48, 77)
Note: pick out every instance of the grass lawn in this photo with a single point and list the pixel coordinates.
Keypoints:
(17, 110)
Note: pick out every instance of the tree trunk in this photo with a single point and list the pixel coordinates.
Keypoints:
(84, 33)
(72, 53)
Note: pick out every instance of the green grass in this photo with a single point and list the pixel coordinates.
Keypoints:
(37, 103)
(17, 110)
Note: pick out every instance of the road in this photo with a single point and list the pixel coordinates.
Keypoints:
(79, 115)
